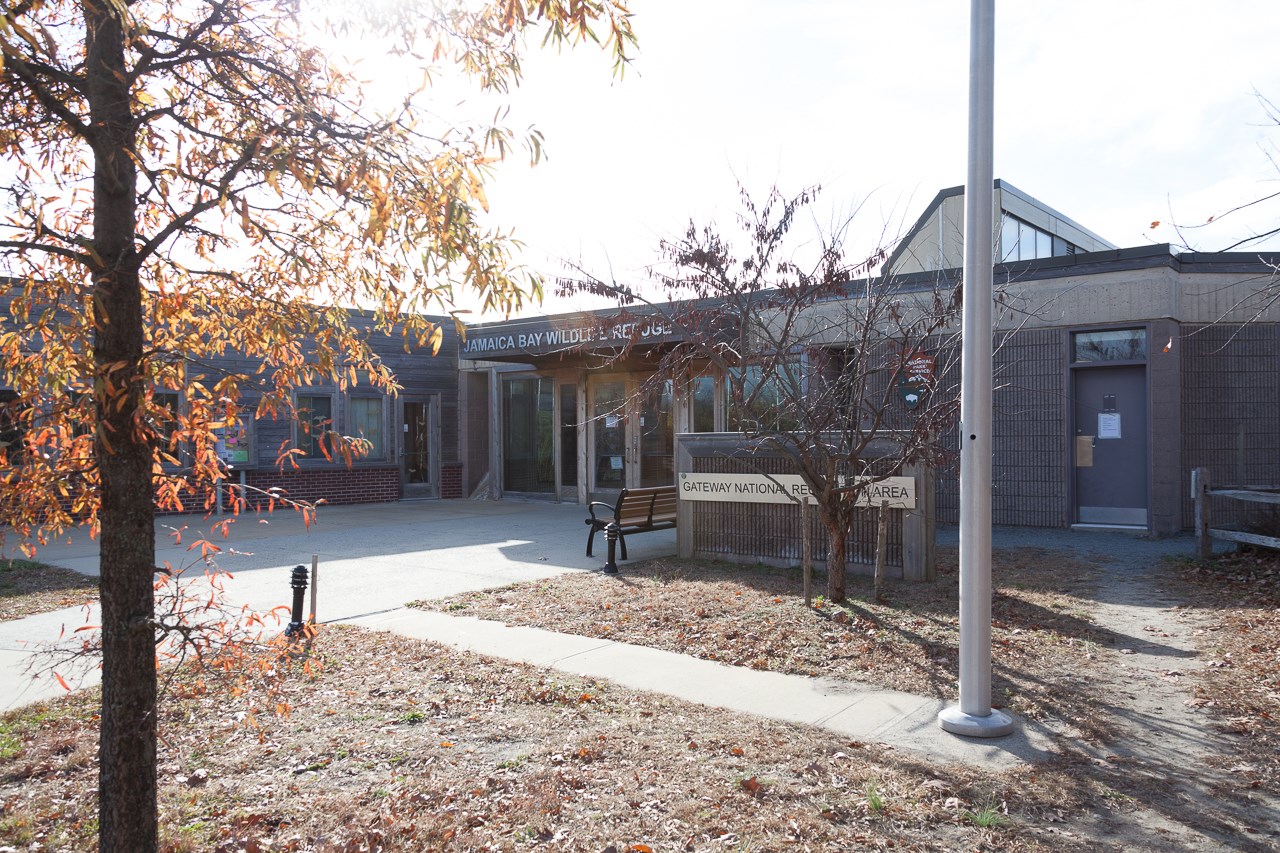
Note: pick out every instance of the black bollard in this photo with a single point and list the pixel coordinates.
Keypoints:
(298, 580)
(611, 538)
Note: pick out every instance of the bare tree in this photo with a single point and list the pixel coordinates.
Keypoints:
(823, 361)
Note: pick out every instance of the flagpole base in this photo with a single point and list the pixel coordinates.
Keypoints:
(994, 724)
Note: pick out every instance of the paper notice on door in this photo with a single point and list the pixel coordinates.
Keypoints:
(1108, 425)
(1084, 451)
(615, 462)
(611, 421)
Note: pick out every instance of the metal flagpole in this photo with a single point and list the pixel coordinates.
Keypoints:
(974, 715)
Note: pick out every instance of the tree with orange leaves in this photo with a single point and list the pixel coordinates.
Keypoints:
(187, 179)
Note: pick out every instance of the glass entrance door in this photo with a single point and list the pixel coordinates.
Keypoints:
(632, 436)
(609, 440)
(419, 455)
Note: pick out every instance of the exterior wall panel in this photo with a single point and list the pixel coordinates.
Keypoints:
(1230, 414)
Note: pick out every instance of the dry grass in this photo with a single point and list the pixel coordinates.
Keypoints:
(28, 587)
(754, 616)
(1238, 597)
(398, 745)
(403, 745)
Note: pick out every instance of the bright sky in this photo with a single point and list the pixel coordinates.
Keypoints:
(1116, 113)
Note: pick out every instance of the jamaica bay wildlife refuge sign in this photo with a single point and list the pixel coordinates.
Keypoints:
(900, 492)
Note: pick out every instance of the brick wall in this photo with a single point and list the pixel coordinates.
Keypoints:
(333, 485)
(451, 481)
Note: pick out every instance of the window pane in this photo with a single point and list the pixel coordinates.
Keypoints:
(315, 417)
(366, 423)
(568, 435)
(657, 437)
(165, 418)
(704, 404)
(12, 429)
(1026, 242)
(527, 413)
(1044, 244)
(1109, 345)
(760, 409)
(1008, 239)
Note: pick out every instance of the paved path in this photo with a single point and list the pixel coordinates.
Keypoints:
(375, 559)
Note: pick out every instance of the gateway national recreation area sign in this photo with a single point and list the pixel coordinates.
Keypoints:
(900, 492)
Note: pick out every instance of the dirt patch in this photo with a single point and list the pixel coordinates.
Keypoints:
(28, 587)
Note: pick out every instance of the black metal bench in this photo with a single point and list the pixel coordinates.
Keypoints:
(637, 511)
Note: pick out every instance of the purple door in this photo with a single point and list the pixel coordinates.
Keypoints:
(1110, 447)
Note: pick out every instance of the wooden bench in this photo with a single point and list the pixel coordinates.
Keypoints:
(637, 511)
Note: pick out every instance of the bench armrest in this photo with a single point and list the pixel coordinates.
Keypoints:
(591, 508)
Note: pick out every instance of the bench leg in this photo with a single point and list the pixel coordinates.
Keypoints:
(590, 538)
(623, 542)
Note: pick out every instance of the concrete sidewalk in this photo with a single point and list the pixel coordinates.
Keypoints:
(374, 559)
(860, 712)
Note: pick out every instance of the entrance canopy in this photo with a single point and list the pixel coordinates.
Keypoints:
(567, 335)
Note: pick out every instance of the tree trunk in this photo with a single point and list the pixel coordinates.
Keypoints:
(837, 525)
(127, 745)
(806, 553)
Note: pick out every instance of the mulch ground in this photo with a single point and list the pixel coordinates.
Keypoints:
(755, 616)
(403, 745)
(28, 587)
(394, 744)
(1238, 599)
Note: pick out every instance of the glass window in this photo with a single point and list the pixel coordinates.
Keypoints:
(315, 418)
(1109, 345)
(365, 421)
(756, 402)
(704, 404)
(568, 435)
(528, 413)
(1026, 241)
(1044, 244)
(12, 429)
(165, 406)
(657, 436)
(1008, 239)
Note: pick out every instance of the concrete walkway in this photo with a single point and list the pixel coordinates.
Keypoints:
(375, 559)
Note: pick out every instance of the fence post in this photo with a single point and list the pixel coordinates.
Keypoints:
(882, 538)
(1200, 494)
(918, 524)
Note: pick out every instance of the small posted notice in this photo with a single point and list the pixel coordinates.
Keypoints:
(1108, 425)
